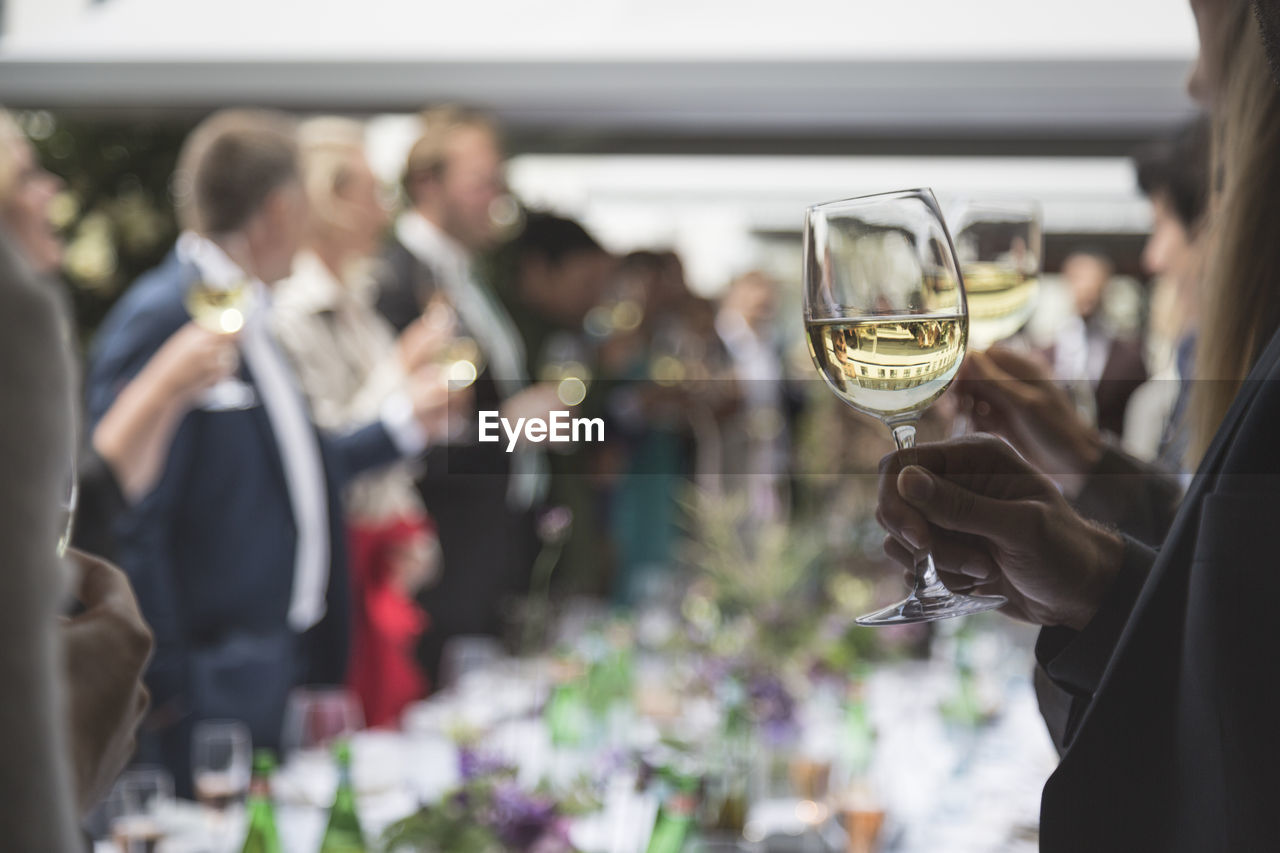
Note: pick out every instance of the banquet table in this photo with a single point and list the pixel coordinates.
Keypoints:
(942, 785)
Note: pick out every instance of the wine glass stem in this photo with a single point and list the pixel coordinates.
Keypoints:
(927, 584)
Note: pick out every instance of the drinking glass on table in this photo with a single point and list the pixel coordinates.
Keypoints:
(135, 806)
(886, 321)
(315, 717)
(221, 761)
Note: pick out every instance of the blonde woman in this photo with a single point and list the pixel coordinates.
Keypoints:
(348, 361)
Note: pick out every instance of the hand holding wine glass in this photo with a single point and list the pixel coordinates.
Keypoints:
(997, 525)
(884, 308)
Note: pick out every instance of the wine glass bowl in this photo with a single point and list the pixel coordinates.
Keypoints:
(887, 323)
(998, 246)
(221, 756)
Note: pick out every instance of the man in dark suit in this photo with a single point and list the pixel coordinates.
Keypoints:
(237, 554)
(481, 498)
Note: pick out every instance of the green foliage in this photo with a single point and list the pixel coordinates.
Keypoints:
(117, 210)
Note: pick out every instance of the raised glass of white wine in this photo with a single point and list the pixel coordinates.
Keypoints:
(885, 313)
(222, 307)
(998, 245)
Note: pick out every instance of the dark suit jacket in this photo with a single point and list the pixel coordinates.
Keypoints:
(1171, 737)
(486, 546)
(210, 551)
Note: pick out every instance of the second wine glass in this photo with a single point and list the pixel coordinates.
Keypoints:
(886, 319)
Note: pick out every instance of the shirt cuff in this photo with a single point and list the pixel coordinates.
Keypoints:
(1075, 660)
(407, 434)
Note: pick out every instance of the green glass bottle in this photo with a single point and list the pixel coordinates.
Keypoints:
(261, 836)
(674, 825)
(343, 835)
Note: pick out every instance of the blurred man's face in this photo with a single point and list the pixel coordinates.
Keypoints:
(277, 231)
(471, 182)
(1087, 277)
(1168, 251)
(25, 214)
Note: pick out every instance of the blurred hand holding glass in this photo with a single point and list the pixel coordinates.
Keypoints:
(885, 314)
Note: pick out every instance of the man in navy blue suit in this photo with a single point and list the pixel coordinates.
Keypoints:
(237, 555)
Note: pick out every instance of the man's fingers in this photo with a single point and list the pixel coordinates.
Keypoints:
(98, 581)
(1023, 366)
(956, 508)
(899, 553)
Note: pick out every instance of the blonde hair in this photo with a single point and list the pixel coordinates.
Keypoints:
(9, 134)
(427, 157)
(327, 146)
(1240, 307)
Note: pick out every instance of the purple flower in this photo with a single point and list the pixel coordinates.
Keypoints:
(772, 706)
(519, 819)
(473, 764)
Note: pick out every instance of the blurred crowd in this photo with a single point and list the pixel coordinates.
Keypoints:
(280, 443)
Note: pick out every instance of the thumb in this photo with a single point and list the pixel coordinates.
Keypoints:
(953, 507)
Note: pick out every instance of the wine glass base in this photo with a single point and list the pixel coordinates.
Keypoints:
(229, 395)
(914, 609)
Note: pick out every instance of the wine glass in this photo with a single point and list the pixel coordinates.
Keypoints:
(998, 245)
(135, 806)
(317, 716)
(220, 302)
(221, 760)
(885, 316)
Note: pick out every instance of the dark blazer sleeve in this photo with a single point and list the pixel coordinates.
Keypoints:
(130, 336)
(1136, 497)
(100, 504)
(366, 448)
(1073, 661)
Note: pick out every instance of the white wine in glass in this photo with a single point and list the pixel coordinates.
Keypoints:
(998, 245)
(887, 324)
(223, 307)
(219, 309)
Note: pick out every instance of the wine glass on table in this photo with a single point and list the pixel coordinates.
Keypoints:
(135, 806)
(314, 719)
(221, 761)
(885, 317)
